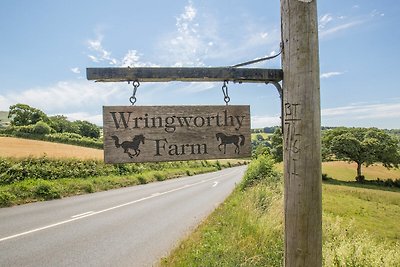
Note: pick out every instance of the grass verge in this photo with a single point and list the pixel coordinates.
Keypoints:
(247, 230)
(31, 190)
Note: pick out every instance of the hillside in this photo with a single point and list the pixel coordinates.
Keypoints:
(16, 147)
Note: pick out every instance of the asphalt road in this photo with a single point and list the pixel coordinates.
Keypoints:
(133, 226)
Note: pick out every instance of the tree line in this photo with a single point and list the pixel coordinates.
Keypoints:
(32, 123)
(364, 146)
(32, 120)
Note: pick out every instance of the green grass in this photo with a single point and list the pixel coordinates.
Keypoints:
(245, 231)
(360, 228)
(374, 211)
(264, 135)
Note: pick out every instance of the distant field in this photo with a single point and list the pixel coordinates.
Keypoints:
(344, 171)
(16, 147)
(264, 135)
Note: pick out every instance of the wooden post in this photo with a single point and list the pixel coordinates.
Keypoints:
(302, 122)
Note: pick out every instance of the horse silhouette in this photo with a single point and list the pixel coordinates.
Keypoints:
(126, 145)
(230, 139)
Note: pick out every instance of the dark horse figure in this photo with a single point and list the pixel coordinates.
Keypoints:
(230, 139)
(126, 145)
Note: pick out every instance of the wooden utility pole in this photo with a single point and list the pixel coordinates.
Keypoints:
(302, 122)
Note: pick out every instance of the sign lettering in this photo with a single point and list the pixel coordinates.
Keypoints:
(170, 133)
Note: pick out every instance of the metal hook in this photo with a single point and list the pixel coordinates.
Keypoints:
(136, 85)
(225, 92)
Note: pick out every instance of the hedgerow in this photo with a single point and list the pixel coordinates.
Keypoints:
(14, 170)
(35, 179)
(28, 132)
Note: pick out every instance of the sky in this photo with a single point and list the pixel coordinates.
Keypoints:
(46, 46)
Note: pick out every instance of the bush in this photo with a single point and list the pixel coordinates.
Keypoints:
(142, 179)
(159, 177)
(260, 169)
(46, 191)
(41, 128)
(6, 199)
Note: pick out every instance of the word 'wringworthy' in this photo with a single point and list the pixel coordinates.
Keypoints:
(171, 123)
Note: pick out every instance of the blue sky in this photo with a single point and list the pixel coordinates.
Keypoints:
(46, 46)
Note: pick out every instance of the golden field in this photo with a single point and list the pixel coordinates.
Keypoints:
(19, 148)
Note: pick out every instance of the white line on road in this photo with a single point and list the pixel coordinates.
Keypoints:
(215, 184)
(88, 214)
(82, 214)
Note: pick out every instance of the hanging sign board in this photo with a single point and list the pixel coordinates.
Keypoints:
(171, 133)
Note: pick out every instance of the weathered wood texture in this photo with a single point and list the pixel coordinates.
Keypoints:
(302, 150)
(170, 133)
(151, 74)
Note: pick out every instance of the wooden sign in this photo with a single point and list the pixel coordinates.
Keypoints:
(171, 133)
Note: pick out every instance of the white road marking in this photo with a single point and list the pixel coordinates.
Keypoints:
(88, 214)
(82, 214)
(215, 184)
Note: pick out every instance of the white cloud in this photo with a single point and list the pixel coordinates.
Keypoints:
(131, 59)
(185, 47)
(84, 116)
(364, 111)
(341, 27)
(65, 96)
(265, 121)
(324, 20)
(197, 39)
(327, 75)
(196, 87)
(376, 13)
(101, 54)
(75, 70)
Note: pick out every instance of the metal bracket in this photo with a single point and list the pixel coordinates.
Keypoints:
(280, 92)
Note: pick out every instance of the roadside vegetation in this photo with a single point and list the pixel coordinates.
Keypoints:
(36, 179)
(360, 226)
(24, 121)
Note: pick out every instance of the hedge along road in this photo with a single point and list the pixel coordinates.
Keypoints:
(133, 226)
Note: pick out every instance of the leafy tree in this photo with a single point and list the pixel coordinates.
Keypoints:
(22, 115)
(88, 129)
(61, 125)
(261, 150)
(277, 145)
(362, 146)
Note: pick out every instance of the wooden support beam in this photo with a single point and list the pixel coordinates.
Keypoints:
(154, 74)
(302, 134)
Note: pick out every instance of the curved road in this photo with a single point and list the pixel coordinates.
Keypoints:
(133, 226)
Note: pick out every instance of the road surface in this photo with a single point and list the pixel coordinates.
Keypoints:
(133, 226)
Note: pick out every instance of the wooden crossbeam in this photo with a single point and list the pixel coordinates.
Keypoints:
(154, 74)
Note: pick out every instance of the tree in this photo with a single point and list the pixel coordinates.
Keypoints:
(277, 145)
(22, 115)
(61, 125)
(362, 146)
(88, 129)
